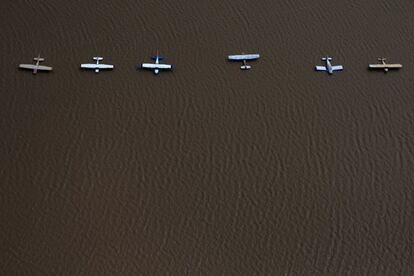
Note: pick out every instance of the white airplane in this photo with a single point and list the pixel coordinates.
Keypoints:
(156, 66)
(244, 58)
(36, 67)
(97, 66)
(384, 65)
(329, 67)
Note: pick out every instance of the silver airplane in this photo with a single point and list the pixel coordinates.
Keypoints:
(328, 66)
(36, 67)
(385, 66)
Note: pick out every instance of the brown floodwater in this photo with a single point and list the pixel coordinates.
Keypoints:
(207, 170)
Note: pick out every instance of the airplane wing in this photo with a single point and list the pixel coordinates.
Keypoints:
(320, 68)
(394, 65)
(88, 65)
(27, 66)
(96, 66)
(105, 66)
(243, 57)
(44, 68)
(337, 68)
(156, 66)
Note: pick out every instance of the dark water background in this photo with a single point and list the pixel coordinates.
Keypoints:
(207, 170)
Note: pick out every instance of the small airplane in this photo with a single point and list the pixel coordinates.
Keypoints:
(384, 65)
(36, 67)
(156, 66)
(329, 67)
(244, 58)
(97, 66)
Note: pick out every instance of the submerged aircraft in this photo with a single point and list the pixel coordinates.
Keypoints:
(156, 66)
(97, 66)
(244, 58)
(384, 65)
(36, 67)
(328, 66)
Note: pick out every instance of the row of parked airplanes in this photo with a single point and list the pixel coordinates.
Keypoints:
(156, 66)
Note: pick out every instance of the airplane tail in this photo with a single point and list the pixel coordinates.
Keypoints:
(157, 57)
(327, 58)
(97, 58)
(38, 59)
(245, 67)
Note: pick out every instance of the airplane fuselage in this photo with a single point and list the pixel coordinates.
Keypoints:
(329, 66)
(157, 61)
(36, 66)
(383, 62)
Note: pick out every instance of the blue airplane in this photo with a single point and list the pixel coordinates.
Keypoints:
(328, 66)
(156, 66)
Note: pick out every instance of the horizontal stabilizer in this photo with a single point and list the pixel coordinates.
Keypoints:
(326, 58)
(244, 57)
(245, 67)
(97, 58)
(38, 59)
